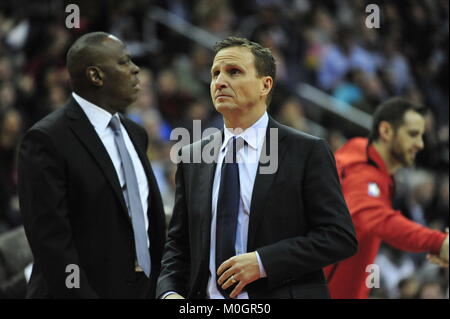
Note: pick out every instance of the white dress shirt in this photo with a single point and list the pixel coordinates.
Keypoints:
(100, 119)
(248, 159)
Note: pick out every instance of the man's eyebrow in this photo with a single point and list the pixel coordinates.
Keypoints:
(236, 65)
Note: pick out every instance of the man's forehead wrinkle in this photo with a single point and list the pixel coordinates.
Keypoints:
(230, 55)
(226, 63)
(230, 60)
(235, 57)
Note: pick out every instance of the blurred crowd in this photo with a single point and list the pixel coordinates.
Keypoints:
(323, 43)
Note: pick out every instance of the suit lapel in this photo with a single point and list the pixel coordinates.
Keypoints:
(206, 173)
(84, 130)
(263, 182)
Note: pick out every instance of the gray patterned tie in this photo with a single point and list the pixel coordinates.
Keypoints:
(134, 199)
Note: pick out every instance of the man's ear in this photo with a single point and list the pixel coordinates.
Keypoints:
(385, 131)
(94, 75)
(267, 83)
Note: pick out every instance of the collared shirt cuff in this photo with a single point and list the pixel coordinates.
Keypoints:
(262, 271)
(27, 272)
(167, 293)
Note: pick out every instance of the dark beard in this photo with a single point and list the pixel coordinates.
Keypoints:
(399, 156)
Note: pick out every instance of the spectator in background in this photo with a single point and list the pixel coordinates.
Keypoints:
(171, 100)
(6, 71)
(421, 188)
(192, 71)
(15, 256)
(336, 139)
(431, 290)
(440, 211)
(292, 114)
(344, 55)
(8, 96)
(395, 266)
(215, 16)
(347, 90)
(397, 68)
(408, 288)
(10, 129)
(146, 104)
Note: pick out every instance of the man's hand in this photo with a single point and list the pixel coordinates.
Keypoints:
(442, 258)
(174, 296)
(242, 269)
(444, 250)
(436, 260)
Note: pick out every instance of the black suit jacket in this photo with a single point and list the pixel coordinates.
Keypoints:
(74, 211)
(299, 221)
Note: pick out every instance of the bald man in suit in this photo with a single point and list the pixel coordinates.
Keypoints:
(91, 206)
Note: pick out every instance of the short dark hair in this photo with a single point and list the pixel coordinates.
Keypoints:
(82, 51)
(264, 60)
(393, 111)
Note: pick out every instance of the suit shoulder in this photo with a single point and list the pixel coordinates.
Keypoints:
(198, 145)
(52, 123)
(133, 124)
(299, 136)
(190, 150)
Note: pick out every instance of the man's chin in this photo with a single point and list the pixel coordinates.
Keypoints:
(130, 100)
(408, 162)
(224, 108)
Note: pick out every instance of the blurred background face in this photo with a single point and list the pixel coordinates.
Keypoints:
(235, 86)
(408, 139)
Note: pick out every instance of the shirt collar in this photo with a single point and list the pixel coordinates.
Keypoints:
(372, 154)
(253, 136)
(98, 117)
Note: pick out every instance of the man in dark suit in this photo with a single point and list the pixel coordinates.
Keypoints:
(244, 229)
(92, 210)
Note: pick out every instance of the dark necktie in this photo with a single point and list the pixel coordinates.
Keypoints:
(227, 209)
(135, 209)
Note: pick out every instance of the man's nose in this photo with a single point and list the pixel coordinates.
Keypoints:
(135, 69)
(220, 82)
(420, 144)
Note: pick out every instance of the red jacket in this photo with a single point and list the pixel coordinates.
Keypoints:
(368, 189)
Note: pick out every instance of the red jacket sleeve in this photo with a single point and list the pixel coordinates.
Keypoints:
(374, 216)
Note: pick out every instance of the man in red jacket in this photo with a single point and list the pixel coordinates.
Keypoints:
(365, 168)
